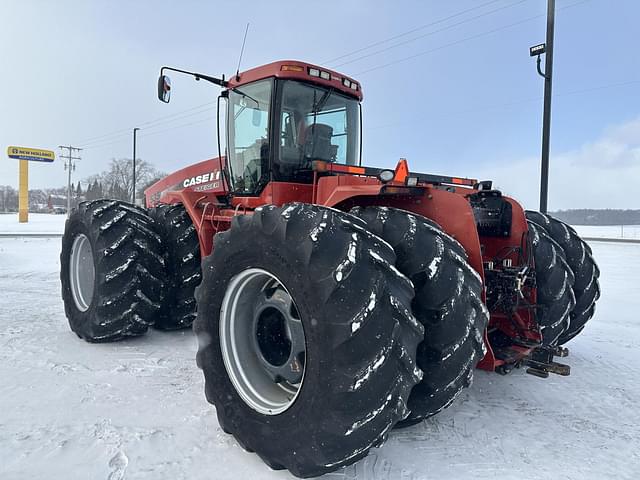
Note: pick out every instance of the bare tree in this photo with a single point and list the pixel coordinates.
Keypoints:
(117, 181)
(142, 186)
(8, 199)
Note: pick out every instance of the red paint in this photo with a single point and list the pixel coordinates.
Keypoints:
(159, 191)
(275, 70)
(202, 190)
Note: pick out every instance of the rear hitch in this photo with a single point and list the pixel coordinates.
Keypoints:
(543, 370)
(541, 363)
(536, 372)
(561, 351)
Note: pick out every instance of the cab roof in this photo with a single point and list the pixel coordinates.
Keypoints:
(297, 70)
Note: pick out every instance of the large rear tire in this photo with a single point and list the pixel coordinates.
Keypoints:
(579, 257)
(448, 302)
(111, 271)
(319, 292)
(182, 259)
(554, 281)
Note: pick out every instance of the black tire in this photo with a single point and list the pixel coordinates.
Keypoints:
(554, 282)
(448, 302)
(128, 271)
(586, 287)
(182, 259)
(361, 338)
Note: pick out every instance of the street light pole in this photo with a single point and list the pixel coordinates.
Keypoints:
(546, 121)
(135, 130)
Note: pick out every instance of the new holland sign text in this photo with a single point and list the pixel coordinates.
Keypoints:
(31, 154)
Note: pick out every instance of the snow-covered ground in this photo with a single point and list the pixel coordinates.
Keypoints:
(136, 409)
(46, 223)
(609, 231)
(38, 223)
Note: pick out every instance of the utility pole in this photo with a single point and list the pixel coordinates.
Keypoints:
(69, 165)
(547, 49)
(135, 130)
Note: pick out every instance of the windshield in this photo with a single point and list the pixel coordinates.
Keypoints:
(315, 124)
(248, 144)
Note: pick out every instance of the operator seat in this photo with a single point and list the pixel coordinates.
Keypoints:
(317, 143)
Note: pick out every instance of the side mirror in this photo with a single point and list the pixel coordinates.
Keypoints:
(164, 88)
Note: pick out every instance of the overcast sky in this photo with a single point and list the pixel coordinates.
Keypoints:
(457, 95)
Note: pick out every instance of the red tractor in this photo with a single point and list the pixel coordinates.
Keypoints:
(331, 302)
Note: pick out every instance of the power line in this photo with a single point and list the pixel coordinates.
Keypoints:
(210, 117)
(160, 120)
(447, 45)
(408, 32)
(598, 87)
(460, 112)
(120, 135)
(157, 122)
(448, 27)
(144, 135)
(99, 140)
(107, 138)
(92, 139)
(463, 40)
(205, 107)
(108, 142)
(513, 103)
(156, 125)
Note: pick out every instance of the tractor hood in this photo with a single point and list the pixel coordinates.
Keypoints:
(204, 177)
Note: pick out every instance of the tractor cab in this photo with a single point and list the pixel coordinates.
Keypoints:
(280, 118)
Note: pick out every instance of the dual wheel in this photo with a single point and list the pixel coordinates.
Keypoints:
(566, 278)
(318, 330)
(124, 269)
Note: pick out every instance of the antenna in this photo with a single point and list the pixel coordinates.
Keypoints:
(241, 52)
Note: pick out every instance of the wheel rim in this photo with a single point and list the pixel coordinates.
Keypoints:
(262, 341)
(82, 272)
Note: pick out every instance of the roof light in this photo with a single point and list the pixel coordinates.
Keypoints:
(386, 175)
(354, 86)
(314, 72)
(292, 68)
(346, 82)
(412, 181)
(325, 75)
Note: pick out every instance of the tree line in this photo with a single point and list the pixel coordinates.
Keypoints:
(588, 216)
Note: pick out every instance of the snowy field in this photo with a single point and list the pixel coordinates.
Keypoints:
(609, 231)
(45, 223)
(136, 409)
(38, 223)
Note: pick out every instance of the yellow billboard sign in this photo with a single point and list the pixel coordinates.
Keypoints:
(31, 154)
(26, 155)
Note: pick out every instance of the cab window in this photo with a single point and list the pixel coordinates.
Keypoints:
(315, 123)
(248, 142)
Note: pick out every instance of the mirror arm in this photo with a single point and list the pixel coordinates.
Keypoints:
(216, 81)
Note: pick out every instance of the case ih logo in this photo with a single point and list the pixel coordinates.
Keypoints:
(197, 180)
